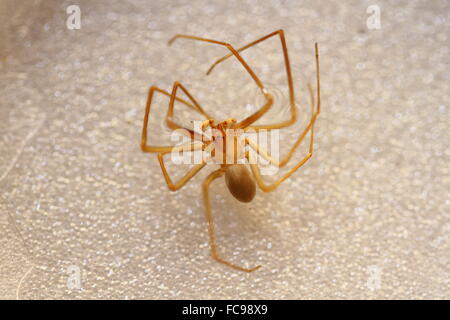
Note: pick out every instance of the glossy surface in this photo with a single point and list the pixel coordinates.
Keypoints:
(76, 190)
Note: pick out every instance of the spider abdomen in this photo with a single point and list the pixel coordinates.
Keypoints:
(240, 182)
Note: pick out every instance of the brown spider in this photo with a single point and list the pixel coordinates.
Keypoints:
(238, 178)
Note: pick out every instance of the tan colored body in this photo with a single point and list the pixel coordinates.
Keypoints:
(229, 150)
(239, 180)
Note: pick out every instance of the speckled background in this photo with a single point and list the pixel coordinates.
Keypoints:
(367, 217)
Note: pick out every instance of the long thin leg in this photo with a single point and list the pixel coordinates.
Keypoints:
(258, 114)
(148, 148)
(169, 118)
(288, 74)
(211, 232)
(317, 77)
(310, 125)
(262, 152)
(270, 187)
(299, 140)
(254, 167)
(191, 173)
(316, 48)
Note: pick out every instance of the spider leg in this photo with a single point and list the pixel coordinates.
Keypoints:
(189, 147)
(260, 151)
(254, 167)
(259, 113)
(315, 114)
(147, 148)
(179, 184)
(270, 187)
(169, 118)
(211, 232)
(280, 33)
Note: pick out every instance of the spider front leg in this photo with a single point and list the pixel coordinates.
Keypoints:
(211, 232)
(269, 99)
(169, 118)
(144, 146)
(148, 148)
(287, 65)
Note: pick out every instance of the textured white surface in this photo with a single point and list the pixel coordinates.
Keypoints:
(75, 189)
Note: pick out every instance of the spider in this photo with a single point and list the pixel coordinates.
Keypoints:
(239, 179)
